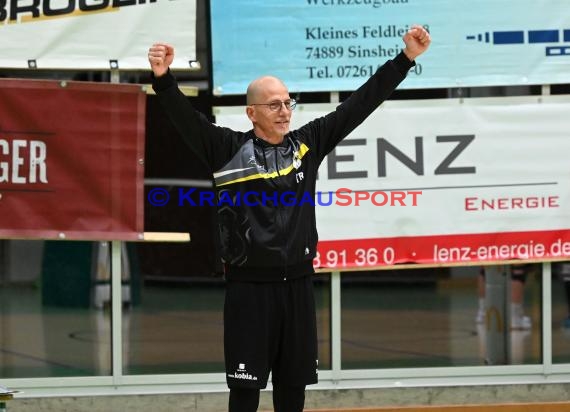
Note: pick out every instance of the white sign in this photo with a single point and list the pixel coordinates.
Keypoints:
(94, 34)
(444, 181)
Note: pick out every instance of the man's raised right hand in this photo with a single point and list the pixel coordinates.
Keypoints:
(160, 57)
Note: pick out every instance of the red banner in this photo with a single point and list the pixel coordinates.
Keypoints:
(71, 160)
(443, 249)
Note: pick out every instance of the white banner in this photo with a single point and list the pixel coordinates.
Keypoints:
(444, 181)
(94, 34)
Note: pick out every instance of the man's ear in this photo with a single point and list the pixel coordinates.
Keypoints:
(250, 111)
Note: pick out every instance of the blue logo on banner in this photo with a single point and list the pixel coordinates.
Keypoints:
(532, 36)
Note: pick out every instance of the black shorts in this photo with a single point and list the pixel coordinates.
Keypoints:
(270, 326)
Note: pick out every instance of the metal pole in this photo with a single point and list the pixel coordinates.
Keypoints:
(496, 320)
(335, 326)
(116, 312)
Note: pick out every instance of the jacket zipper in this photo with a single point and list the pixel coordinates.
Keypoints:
(282, 223)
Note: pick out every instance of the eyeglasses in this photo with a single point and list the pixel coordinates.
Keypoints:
(275, 105)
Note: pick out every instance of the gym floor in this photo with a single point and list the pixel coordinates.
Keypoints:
(177, 328)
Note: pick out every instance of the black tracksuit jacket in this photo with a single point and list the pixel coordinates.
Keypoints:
(266, 212)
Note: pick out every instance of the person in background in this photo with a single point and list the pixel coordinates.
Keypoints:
(518, 273)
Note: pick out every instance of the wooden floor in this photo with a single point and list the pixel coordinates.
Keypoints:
(383, 326)
(517, 407)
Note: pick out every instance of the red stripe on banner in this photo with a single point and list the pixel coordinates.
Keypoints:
(443, 249)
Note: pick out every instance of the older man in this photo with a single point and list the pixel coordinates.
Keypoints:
(268, 246)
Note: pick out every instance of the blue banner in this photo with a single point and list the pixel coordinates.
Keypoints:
(334, 45)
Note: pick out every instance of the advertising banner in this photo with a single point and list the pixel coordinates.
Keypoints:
(443, 181)
(96, 34)
(71, 160)
(333, 45)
